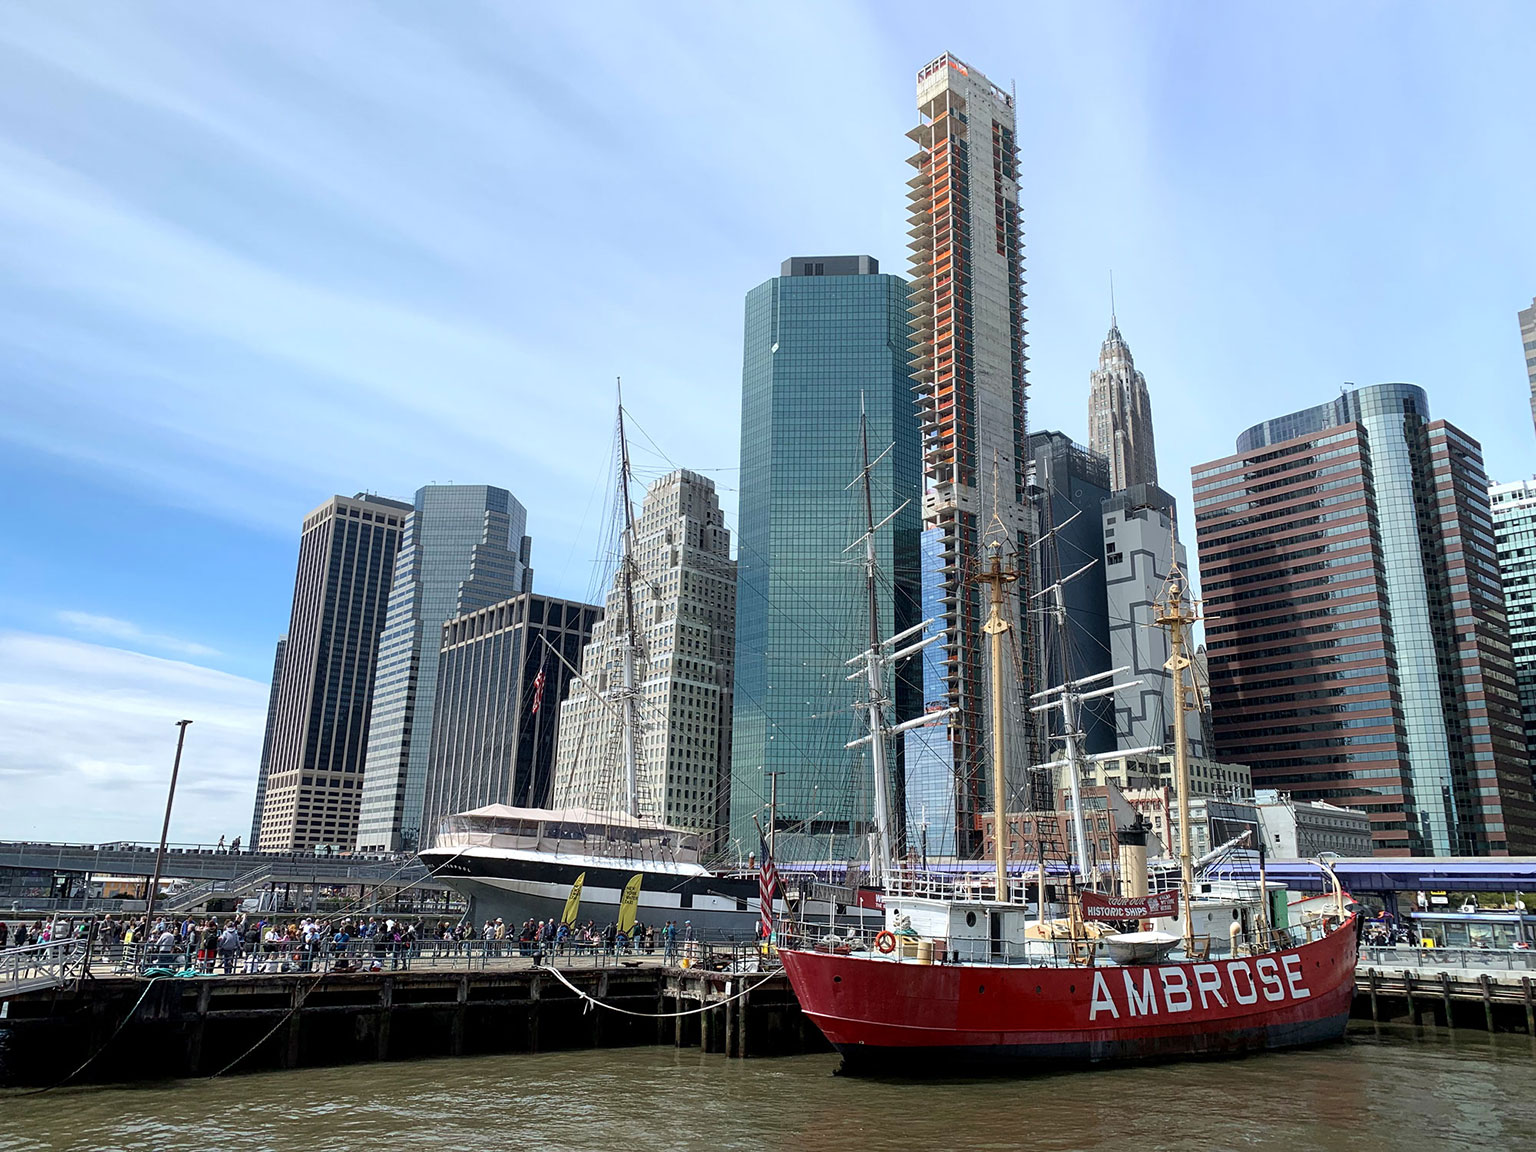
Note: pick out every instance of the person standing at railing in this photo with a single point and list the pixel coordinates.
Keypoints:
(5, 934)
(229, 947)
(165, 949)
(207, 946)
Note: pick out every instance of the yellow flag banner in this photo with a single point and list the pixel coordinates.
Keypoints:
(573, 902)
(629, 904)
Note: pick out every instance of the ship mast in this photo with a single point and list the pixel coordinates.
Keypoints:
(882, 855)
(996, 578)
(1173, 615)
(1070, 695)
(630, 640)
(880, 656)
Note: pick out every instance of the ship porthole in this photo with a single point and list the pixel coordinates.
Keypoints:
(970, 919)
(1071, 987)
(837, 979)
(980, 988)
(1037, 989)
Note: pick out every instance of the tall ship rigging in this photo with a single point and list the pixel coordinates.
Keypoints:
(607, 825)
(968, 972)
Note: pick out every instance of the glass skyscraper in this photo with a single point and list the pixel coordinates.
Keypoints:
(1514, 532)
(826, 335)
(266, 744)
(1358, 647)
(464, 548)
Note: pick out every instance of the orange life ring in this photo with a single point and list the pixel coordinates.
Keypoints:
(886, 942)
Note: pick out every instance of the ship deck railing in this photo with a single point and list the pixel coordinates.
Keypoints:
(595, 846)
(969, 887)
(1055, 953)
(44, 965)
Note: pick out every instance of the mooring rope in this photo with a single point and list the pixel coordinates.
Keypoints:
(91, 1059)
(592, 1000)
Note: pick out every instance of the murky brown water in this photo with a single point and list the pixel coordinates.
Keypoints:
(1393, 1088)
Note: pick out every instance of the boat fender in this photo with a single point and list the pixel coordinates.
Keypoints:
(886, 942)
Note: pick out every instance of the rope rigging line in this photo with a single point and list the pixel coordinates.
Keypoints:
(593, 1001)
(91, 1059)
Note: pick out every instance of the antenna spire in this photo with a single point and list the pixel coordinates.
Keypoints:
(1113, 320)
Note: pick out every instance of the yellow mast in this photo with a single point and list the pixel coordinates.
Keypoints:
(1173, 616)
(995, 578)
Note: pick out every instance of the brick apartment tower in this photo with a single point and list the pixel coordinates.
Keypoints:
(967, 277)
(1355, 623)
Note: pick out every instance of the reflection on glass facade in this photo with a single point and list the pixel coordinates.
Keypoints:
(1358, 646)
(827, 334)
(493, 734)
(463, 549)
(930, 763)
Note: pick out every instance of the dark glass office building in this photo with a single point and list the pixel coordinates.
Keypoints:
(1357, 641)
(1068, 486)
(325, 688)
(827, 335)
(494, 730)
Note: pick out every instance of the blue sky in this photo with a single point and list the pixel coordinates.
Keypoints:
(251, 255)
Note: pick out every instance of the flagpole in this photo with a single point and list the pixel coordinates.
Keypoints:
(533, 760)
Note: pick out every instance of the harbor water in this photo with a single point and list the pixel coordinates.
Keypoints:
(1392, 1086)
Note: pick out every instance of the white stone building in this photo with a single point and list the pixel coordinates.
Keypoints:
(685, 606)
(1140, 545)
(1300, 830)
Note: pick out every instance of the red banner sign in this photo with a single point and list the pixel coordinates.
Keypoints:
(1096, 907)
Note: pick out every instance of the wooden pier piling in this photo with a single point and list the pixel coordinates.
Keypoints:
(198, 1026)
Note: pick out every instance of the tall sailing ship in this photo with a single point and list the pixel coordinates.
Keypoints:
(967, 973)
(521, 863)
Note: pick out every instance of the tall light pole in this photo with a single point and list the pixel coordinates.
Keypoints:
(165, 828)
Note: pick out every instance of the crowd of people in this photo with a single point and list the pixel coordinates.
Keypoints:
(249, 943)
(536, 937)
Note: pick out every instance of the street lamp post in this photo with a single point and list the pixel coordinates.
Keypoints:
(165, 828)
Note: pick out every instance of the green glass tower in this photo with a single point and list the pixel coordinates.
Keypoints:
(827, 335)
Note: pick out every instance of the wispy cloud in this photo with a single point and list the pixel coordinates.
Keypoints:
(87, 735)
(131, 634)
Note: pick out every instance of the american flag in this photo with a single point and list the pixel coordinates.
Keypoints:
(767, 885)
(538, 691)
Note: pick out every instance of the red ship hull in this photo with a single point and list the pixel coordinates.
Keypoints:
(918, 1017)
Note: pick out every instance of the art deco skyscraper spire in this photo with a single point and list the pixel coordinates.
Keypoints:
(1120, 415)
